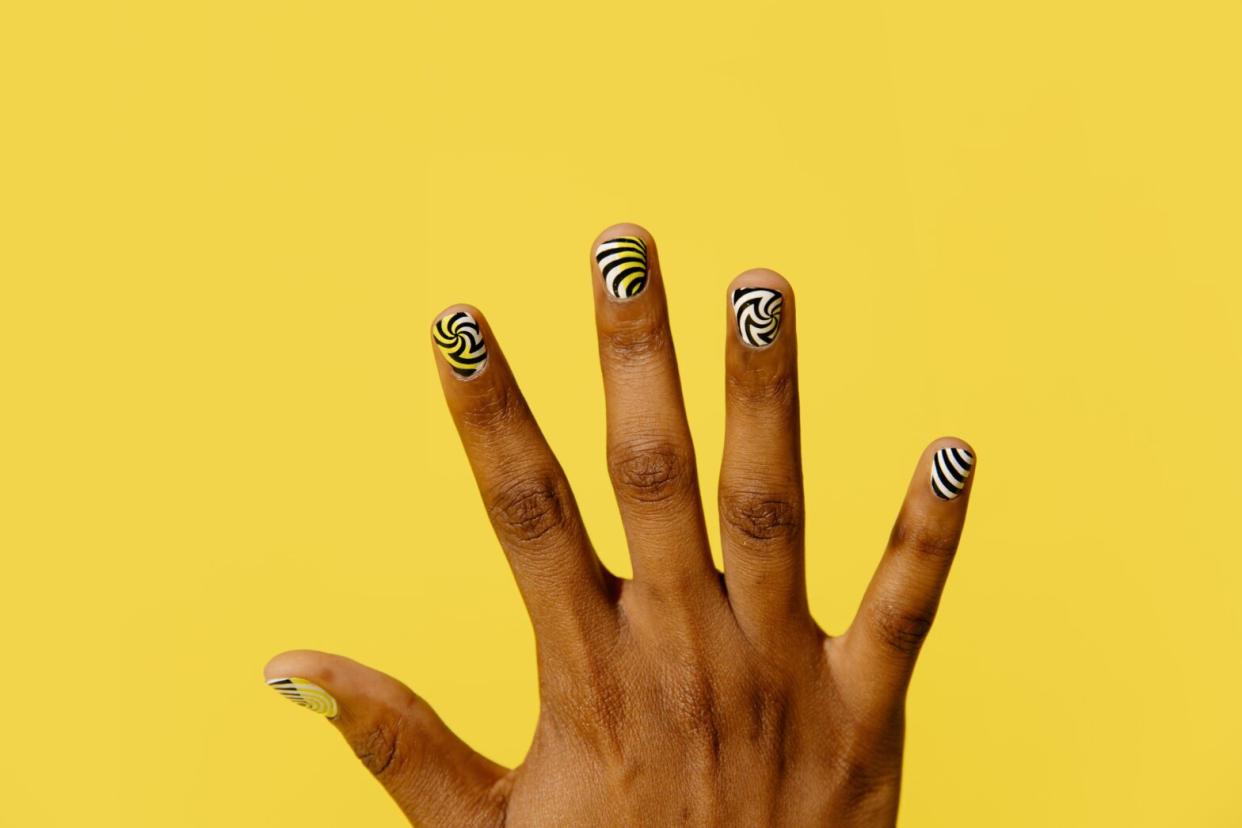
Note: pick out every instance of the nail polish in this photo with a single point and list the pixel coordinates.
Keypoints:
(623, 265)
(306, 693)
(758, 312)
(950, 468)
(461, 342)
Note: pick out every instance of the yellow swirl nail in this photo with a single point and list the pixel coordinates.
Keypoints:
(306, 693)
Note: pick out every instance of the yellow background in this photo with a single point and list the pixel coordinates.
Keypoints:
(225, 227)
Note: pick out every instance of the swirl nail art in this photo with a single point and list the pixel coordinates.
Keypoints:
(950, 468)
(306, 693)
(461, 342)
(758, 312)
(623, 265)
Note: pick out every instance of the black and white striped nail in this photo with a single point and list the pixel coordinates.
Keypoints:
(950, 468)
(623, 266)
(758, 314)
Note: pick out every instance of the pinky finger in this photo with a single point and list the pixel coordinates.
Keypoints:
(901, 601)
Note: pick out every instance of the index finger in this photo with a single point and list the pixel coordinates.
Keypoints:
(524, 489)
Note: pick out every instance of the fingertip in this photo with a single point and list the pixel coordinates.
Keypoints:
(295, 662)
(950, 441)
(303, 677)
(624, 228)
(762, 277)
(340, 678)
(459, 307)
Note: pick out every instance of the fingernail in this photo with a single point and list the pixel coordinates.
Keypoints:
(623, 264)
(306, 693)
(758, 312)
(950, 468)
(461, 342)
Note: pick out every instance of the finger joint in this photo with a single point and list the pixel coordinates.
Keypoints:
(901, 629)
(530, 510)
(497, 409)
(651, 471)
(764, 387)
(378, 746)
(924, 541)
(762, 519)
(637, 342)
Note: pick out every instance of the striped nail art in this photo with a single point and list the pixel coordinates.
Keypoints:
(950, 468)
(461, 342)
(758, 312)
(306, 693)
(623, 264)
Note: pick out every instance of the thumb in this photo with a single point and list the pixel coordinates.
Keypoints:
(435, 777)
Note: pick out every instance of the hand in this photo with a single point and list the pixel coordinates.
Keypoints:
(684, 695)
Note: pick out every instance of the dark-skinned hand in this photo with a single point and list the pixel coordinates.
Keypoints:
(683, 696)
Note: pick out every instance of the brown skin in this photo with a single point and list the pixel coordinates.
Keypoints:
(683, 696)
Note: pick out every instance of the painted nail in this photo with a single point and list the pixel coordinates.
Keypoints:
(623, 264)
(950, 468)
(758, 312)
(306, 693)
(461, 342)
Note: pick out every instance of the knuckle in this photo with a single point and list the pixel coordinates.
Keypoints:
(650, 471)
(637, 341)
(902, 630)
(767, 707)
(530, 509)
(923, 540)
(693, 707)
(496, 409)
(762, 518)
(763, 386)
(378, 747)
(595, 707)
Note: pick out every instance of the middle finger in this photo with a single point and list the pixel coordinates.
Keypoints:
(650, 452)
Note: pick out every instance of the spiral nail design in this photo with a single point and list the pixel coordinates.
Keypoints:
(758, 312)
(623, 264)
(461, 342)
(950, 468)
(306, 693)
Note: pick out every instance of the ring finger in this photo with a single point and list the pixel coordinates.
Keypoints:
(761, 503)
